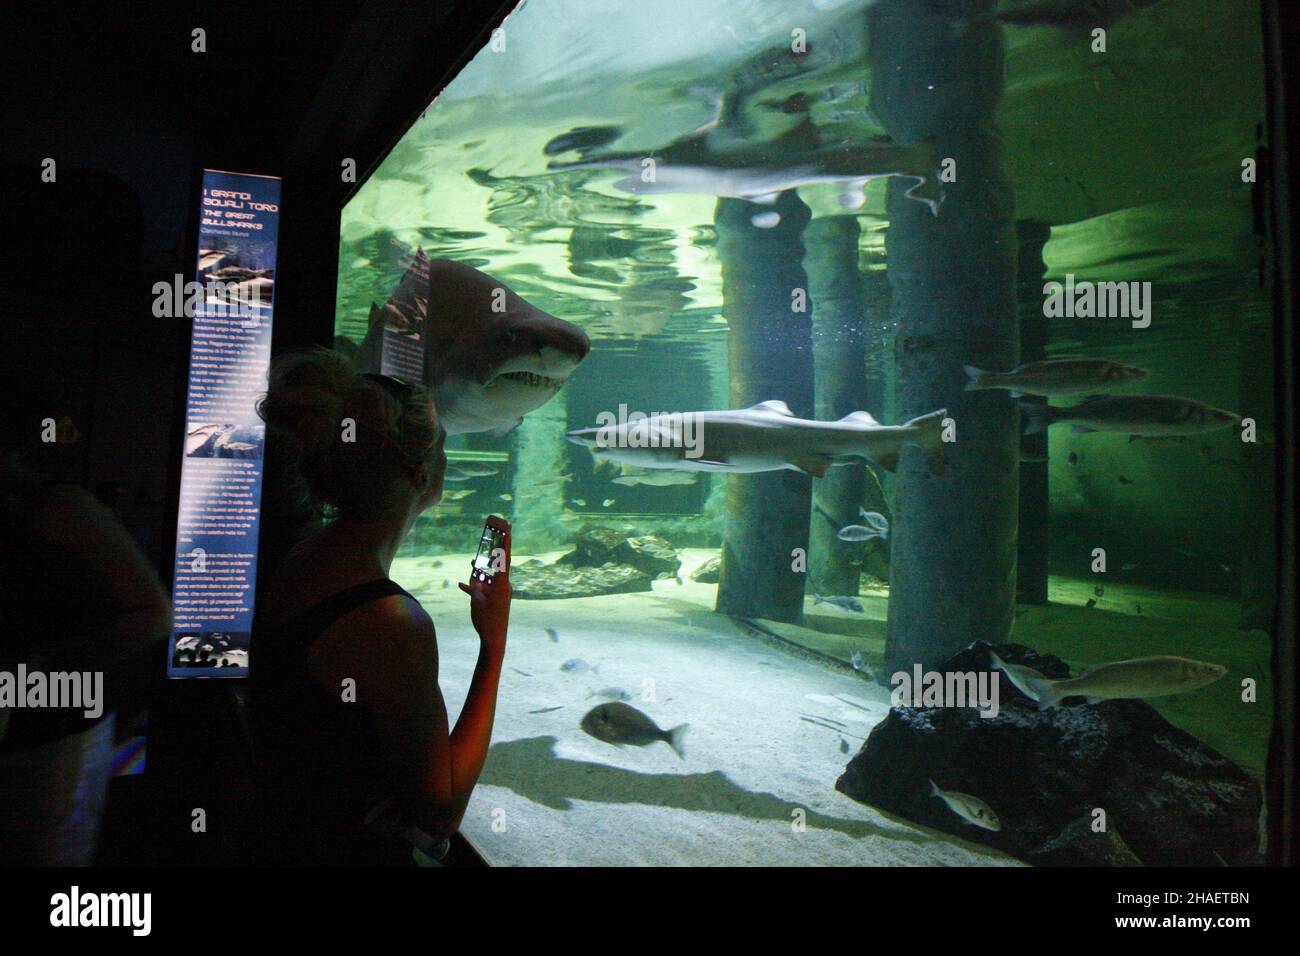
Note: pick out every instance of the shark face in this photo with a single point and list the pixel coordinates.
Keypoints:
(490, 356)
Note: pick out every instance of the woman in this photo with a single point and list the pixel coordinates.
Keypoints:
(350, 730)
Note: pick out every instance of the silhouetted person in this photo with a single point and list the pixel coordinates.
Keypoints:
(76, 596)
(348, 722)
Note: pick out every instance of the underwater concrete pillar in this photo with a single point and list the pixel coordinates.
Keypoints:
(1035, 504)
(953, 560)
(538, 486)
(769, 356)
(840, 386)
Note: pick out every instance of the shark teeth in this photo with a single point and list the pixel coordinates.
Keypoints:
(533, 379)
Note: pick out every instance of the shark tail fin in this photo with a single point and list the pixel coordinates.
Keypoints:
(929, 437)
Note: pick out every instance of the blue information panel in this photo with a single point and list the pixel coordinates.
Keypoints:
(221, 472)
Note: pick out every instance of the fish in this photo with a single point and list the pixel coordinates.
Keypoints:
(760, 174)
(843, 603)
(1135, 679)
(506, 497)
(764, 437)
(618, 723)
(547, 710)
(581, 503)
(607, 502)
(467, 470)
(457, 494)
(860, 664)
(553, 635)
(1099, 590)
(1125, 481)
(659, 479)
(1056, 377)
(576, 665)
(844, 746)
(611, 693)
(1074, 458)
(1018, 674)
(1092, 602)
(971, 809)
(1143, 415)
(875, 524)
(490, 356)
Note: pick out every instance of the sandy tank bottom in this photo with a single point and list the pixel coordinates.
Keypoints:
(754, 768)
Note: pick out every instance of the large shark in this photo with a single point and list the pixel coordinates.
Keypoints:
(764, 437)
(761, 172)
(490, 357)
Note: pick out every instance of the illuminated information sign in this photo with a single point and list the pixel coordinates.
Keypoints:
(230, 303)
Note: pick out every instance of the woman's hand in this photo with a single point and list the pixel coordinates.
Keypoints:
(489, 603)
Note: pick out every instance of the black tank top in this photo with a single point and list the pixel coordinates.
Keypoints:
(317, 758)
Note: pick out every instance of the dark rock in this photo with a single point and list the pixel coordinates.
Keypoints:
(708, 572)
(653, 555)
(1080, 845)
(594, 546)
(535, 581)
(1176, 801)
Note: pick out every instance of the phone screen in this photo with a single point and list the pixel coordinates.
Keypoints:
(492, 543)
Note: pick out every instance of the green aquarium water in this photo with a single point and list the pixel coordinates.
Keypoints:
(704, 187)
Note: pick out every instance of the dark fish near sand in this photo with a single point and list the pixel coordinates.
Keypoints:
(1143, 415)
(553, 634)
(1057, 377)
(618, 723)
(576, 665)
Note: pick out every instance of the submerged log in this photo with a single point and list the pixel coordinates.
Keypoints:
(765, 303)
(953, 560)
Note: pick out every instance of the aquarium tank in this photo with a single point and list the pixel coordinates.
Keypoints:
(882, 397)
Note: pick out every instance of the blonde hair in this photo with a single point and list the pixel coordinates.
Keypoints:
(351, 439)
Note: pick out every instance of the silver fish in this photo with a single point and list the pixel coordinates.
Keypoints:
(610, 693)
(553, 634)
(1148, 416)
(618, 723)
(971, 809)
(1057, 377)
(1126, 680)
(576, 665)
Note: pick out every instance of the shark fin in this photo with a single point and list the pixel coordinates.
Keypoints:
(862, 418)
(773, 405)
(814, 465)
(506, 429)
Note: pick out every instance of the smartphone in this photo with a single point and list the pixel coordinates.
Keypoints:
(491, 549)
